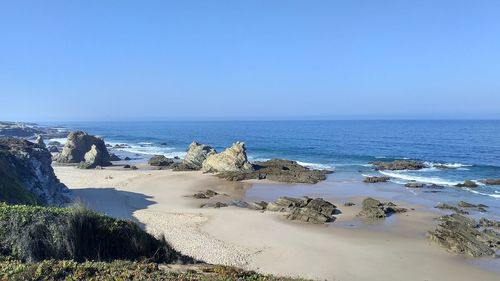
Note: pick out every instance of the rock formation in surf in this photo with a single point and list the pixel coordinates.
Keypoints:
(78, 144)
(197, 153)
(233, 159)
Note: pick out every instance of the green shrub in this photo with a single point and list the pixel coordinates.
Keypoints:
(35, 233)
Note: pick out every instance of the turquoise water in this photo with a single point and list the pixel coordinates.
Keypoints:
(470, 148)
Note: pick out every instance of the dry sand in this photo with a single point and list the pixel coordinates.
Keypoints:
(395, 249)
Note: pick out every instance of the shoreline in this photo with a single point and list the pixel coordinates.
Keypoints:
(266, 242)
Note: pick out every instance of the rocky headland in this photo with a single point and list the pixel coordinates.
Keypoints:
(26, 174)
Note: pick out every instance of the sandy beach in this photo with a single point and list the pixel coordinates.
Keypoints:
(347, 249)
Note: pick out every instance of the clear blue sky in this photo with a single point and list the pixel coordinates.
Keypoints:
(170, 60)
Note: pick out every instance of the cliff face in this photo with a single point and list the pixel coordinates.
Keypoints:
(26, 174)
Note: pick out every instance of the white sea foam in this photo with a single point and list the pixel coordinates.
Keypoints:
(316, 165)
(481, 193)
(60, 140)
(432, 180)
(447, 165)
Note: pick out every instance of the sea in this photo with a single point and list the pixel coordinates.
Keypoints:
(470, 149)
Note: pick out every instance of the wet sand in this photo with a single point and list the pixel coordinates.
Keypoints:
(348, 249)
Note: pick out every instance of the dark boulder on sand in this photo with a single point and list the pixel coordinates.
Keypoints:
(376, 179)
(399, 165)
(373, 209)
(278, 170)
(461, 235)
(304, 209)
(160, 161)
(78, 144)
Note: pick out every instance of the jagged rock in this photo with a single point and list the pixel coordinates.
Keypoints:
(133, 167)
(461, 235)
(415, 185)
(313, 210)
(197, 153)
(232, 159)
(39, 141)
(376, 179)
(445, 206)
(464, 204)
(126, 166)
(214, 205)
(491, 181)
(349, 204)
(239, 203)
(160, 161)
(278, 170)
(373, 209)
(304, 209)
(94, 158)
(489, 223)
(468, 184)
(399, 165)
(78, 144)
(114, 157)
(262, 205)
(26, 175)
(206, 194)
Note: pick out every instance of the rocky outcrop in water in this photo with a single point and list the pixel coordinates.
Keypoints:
(278, 170)
(233, 159)
(26, 174)
(78, 144)
(373, 209)
(160, 161)
(376, 179)
(399, 165)
(491, 181)
(468, 184)
(461, 235)
(197, 153)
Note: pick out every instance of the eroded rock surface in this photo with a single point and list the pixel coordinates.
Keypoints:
(278, 170)
(399, 165)
(26, 174)
(233, 159)
(78, 144)
(376, 179)
(160, 161)
(468, 184)
(373, 209)
(197, 153)
(94, 158)
(461, 235)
